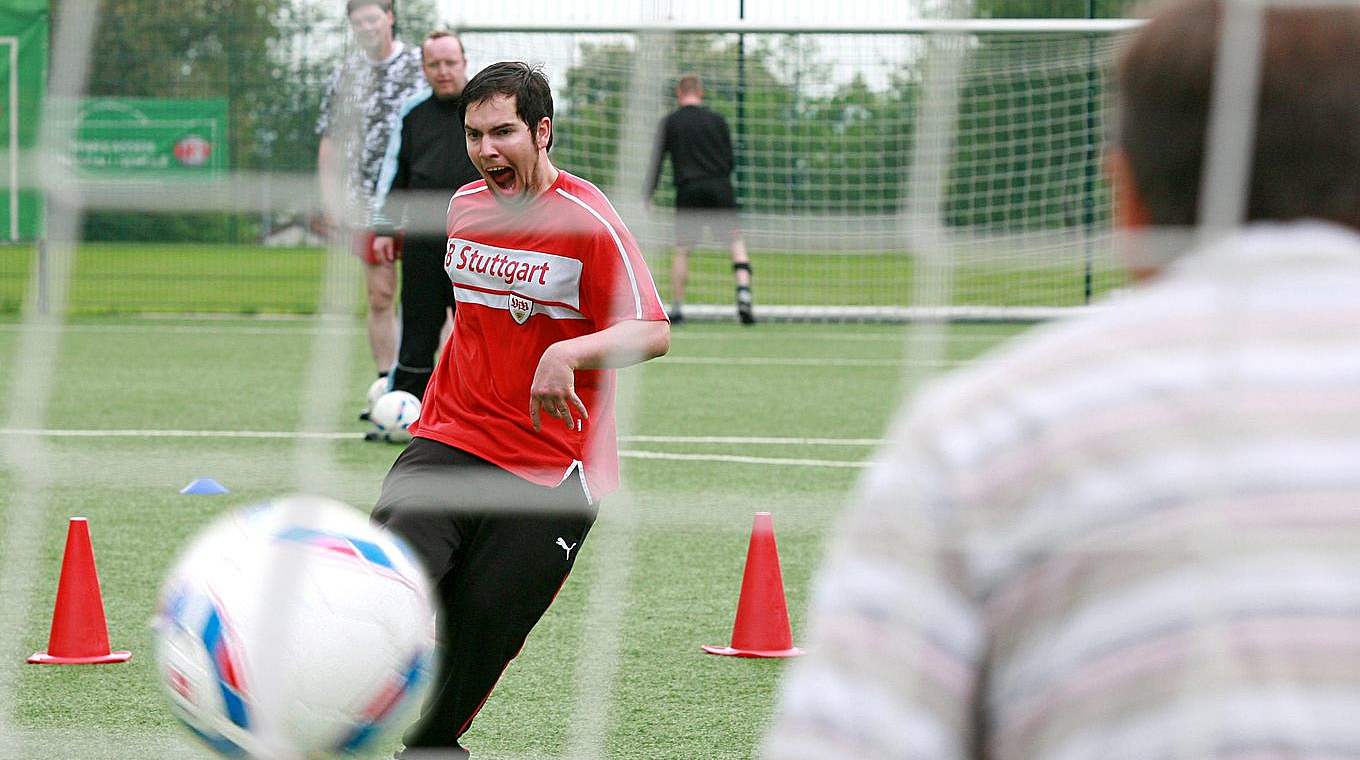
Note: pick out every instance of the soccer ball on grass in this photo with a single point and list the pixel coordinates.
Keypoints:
(294, 629)
(393, 413)
(375, 392)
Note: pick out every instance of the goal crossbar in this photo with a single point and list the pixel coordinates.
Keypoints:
(916, 26)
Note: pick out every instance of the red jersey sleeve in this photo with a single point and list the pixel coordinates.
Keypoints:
(617, 285)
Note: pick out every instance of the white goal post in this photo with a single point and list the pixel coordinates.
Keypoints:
(827, 121)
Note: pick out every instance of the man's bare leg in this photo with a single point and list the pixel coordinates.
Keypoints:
(679, 278)
(741, 269)
(381, 282)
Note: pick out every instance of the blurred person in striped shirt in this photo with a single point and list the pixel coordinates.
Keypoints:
(1135, 534)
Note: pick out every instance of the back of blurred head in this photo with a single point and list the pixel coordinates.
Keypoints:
(1306, 159)
(689, 90)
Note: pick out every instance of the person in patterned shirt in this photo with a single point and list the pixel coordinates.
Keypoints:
(359, 111)
(1135, 534)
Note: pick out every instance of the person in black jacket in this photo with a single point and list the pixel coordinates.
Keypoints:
(428, 153)
(700, 146)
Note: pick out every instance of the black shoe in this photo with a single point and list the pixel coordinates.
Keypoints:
(363, 416)
(373, 436)
(676, 317)
(745, 307)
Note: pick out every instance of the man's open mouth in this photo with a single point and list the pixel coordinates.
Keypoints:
(502, 176)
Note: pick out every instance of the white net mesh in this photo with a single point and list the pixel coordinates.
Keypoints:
(825, 127)
(885, 173)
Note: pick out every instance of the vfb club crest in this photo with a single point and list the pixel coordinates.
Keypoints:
(520, 308)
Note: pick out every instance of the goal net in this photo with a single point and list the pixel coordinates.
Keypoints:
(885, 173)
(833, 147)
(193, 313)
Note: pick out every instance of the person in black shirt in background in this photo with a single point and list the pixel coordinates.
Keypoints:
(700, 146)
(428, 153)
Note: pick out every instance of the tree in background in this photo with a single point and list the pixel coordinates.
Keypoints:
(269, 59)
(806, 144)
(1052, 8)
(1027, 134)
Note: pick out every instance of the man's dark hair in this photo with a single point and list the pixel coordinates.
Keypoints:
(528, 85)
(354, 5)
(1306, 160)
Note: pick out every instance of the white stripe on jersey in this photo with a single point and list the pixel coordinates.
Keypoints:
(460, 194)
(501, 300)
(468, 191)
(623, 252)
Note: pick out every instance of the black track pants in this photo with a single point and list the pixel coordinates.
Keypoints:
(497, 549)
(425, 293)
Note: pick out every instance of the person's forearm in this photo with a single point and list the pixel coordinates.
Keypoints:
(621, 345)
(389, 212)
(653, 175)
(328, 175)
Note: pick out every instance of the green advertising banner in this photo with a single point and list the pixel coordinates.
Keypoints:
(23, 82)
(126, 138)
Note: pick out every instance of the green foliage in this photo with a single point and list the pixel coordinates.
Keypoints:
(198, 49)
(589, 111)
(1053, 8)
(179, 228)
(1028, 137)
(1024, 146)
(798, 151)
(415, 19)
(267, 58)
(808, 142)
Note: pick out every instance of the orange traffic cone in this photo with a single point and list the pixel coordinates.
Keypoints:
(762, 625)
(79, 634)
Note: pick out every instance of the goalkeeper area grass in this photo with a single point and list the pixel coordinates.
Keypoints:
(735, 420)
(242, 279)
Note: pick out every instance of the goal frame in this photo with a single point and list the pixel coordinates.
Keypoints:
(1094, 28)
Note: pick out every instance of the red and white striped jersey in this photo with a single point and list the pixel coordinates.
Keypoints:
(560, 267)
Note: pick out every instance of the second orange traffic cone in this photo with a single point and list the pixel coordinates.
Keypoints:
(79, 634)
(762, 625)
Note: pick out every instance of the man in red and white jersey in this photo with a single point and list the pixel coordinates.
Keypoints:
(495, 496)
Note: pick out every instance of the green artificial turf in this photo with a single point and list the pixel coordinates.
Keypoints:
(657, 578)
(122, 278)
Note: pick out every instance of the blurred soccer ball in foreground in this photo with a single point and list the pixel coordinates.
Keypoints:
(294, 629)
(393, 414)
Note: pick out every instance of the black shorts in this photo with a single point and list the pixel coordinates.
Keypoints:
(435, 477)
(709, 203)
(497, 549)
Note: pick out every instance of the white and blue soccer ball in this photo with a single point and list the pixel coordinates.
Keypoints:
(294, 629)
(392, 415)
(375, 392)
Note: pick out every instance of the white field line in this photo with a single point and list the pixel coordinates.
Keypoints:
(753, 440)
(282, 328)
(351, 435)
(713, 361)
(736, 459)
(303, 325)
(845, 334)
(763, 361)
(626, 453)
